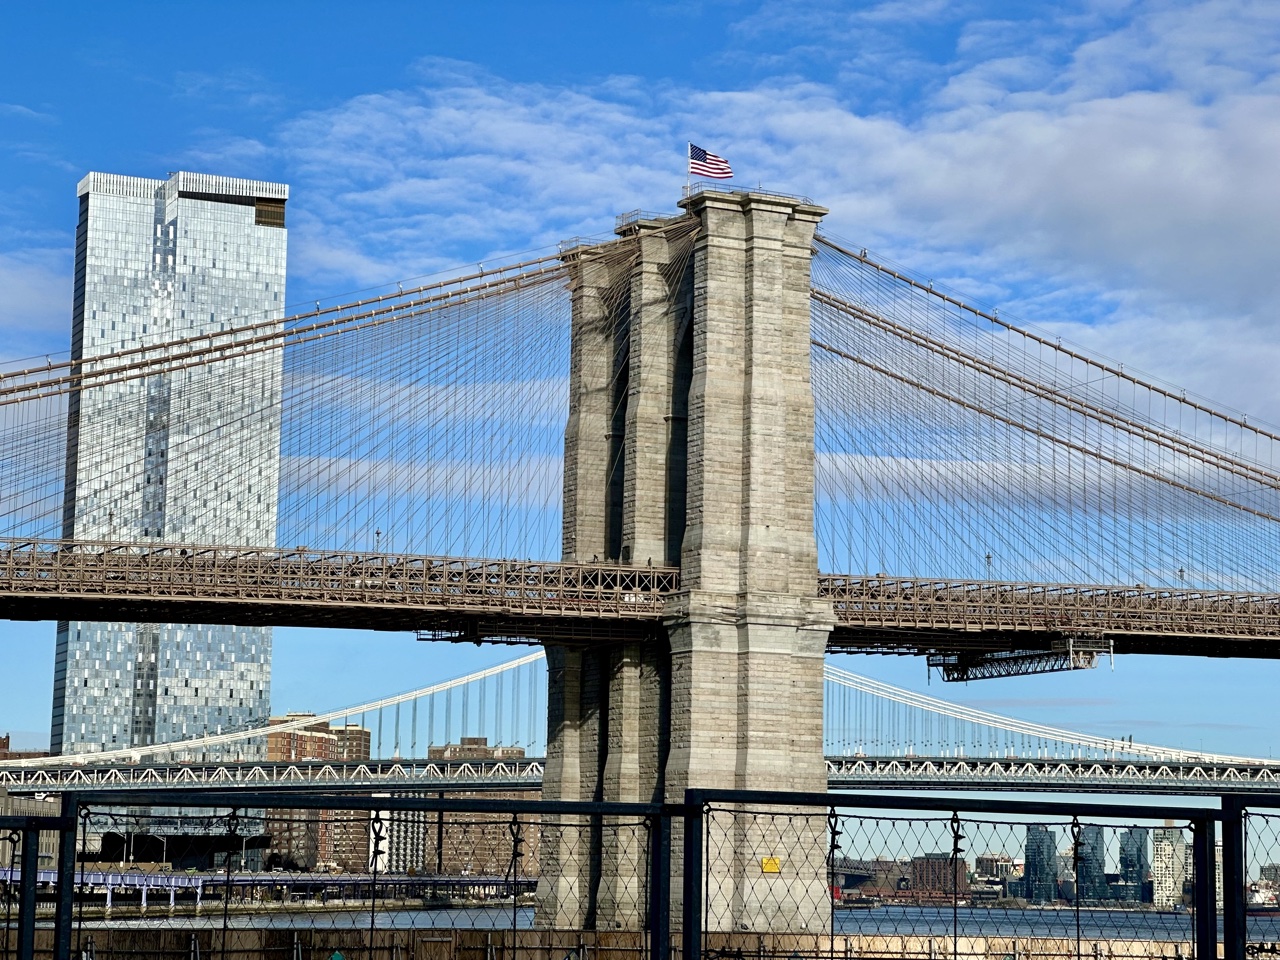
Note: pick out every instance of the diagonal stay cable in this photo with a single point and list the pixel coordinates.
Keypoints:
(1045, 435)
(272, 340)
(1150, 434)
(1045, 342)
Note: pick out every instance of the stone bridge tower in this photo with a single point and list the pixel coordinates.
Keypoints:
(690, 442)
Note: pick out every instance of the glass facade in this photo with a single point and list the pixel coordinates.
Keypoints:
(1040, 865)
(188, 457)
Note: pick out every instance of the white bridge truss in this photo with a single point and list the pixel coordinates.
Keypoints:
(878, 736)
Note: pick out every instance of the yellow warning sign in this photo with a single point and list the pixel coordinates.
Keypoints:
(770, 864)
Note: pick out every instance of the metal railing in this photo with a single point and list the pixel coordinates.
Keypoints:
(250, 585)
(1072, 609)
(474, 597)
(1183, 778)
(732, 873)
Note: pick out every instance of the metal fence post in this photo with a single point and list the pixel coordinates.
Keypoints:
(1233, 878)
(691, 916)
(66, 877)
(27, 897)
(660, 888)
(1205, 900)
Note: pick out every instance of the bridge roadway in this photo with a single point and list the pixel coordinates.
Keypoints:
(475, 599)
(843, 773)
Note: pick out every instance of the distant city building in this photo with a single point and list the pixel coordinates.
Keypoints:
(1135, 865)
(1135, 860)
(1040, 865)
(1170, 867)
(1091, 867)
(318, 741)
(8, 753)
(472, 844)
(186, 457)
(318, 839)
(474, 748)
(886, 879)
(997, 865)
(939, 873)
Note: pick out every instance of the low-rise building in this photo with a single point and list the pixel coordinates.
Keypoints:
(27, 807)
(311, 839)
(939, 873)
(458, 844)
(8, 753)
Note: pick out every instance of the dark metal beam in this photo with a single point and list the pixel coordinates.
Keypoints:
(27, 893)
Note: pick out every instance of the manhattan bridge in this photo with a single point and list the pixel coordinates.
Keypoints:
(876, 736)
(564, 451)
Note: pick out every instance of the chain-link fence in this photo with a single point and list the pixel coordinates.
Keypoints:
(1004, 880)
(1259, 894)
(303, 876)
(405, 877)
(953, 886)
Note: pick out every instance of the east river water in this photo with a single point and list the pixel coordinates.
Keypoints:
(874, 921)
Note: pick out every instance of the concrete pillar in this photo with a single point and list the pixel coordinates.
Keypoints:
(588, 433)
(747, 632)
(690, 441)
(569, 859)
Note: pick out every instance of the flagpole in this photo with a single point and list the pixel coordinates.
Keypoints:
(688, 174)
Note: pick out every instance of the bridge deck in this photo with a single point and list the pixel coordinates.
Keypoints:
(467, 598)
(454, 597)
(911, 616)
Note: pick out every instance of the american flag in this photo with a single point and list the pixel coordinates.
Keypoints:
(703, 164)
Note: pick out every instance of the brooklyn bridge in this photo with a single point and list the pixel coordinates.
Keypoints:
(688, 460)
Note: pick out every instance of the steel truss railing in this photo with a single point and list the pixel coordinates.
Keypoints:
(58, 775)
(1194, 778)
(1186, 778)
(255, 585)
(54, 579)
(1066, 609)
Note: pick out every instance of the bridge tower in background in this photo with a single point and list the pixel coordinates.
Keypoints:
(690, 441)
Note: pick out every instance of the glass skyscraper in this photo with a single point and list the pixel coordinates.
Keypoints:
(1091, 864)
(186, 457)
(1040, 865)
(1135, 862)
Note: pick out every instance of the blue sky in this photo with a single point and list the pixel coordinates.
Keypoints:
(1105, 170)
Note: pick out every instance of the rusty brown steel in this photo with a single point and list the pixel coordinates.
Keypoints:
(229, 584)
(467, 598)
(1064, 609)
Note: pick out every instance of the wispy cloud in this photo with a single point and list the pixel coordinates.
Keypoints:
(25, 113)
(235, 88)
(39, 154)
(35, 308)
(1110, 184)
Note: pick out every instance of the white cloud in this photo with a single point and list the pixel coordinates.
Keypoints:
(35, 307)
(25, 113)
(1106, 171)
(1107, 174)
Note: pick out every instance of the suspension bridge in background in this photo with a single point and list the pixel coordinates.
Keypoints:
(876, 736)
